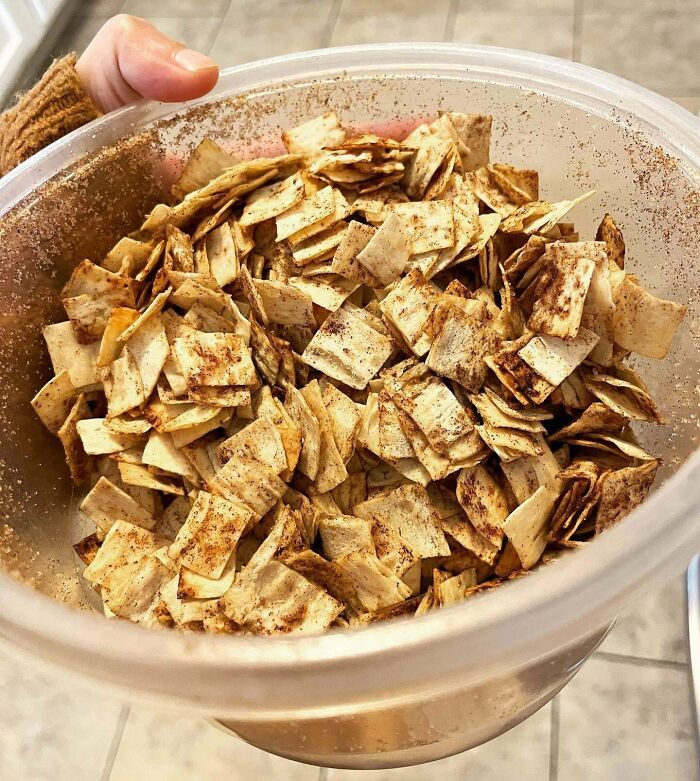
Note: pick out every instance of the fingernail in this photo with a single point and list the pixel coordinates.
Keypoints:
(193, 61)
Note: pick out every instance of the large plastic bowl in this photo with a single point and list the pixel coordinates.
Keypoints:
(408, 691)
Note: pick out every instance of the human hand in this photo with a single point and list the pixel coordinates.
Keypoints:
(129, 58)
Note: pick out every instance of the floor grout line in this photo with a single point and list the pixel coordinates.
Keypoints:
(691, 596)
(329, 29)
(116, 742)
(322, 774)
(639, 661)
(451, 21)
(694, 714)
(576, 45)
(218, 30)
(554, 733)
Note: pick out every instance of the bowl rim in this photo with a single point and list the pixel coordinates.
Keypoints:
(513, 626)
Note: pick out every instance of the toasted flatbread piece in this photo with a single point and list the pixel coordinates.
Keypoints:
(274, 598)
(375, 585)
(472, 232)
(561, 290)
(464, 451)
(320, 246)
(622, 491)
(307, 212)
(222, 255)
(580, 495)
(474, 132)
(643, 323)
(185, 613)
(178, 417)
(385, 256)
(393, 551)
(86, 549)
(554, 358)
(161, 452)
(599, 306)
(54, 401)
(267, 202)
(259, 440)
(623, 397)
(497, 414)
(139, 475)
(408, 511)
(210, 534)
(525, 179)
(483, 500)
(344, 418)
(328, 291)
(597, 418)
(387, 438)
(373, 205)
(305, 241)
(519, 378)
(528, 525)
(273, 410)
(77, 457)
(150, 350)
(331, 467)
(67, 354)
(89, 297)
(207, 162)
(344, 534)
(201, 318)
(614, 241)
(110, 346)
(304, 419)
(123, 385)
(98, 439)
(508, 443)
(353, 489)
(193, 585)
(136, 252)
(432, 406)
(139, 599)
(214, 359)
(106, 504)
(612, 444)
(456, 588)
(461, 529)
(286, 304)
(432, 149)
(194, 291)
(154, 308)
(346, 348)
(459, 347)
(408, 307)
(497, 191)
(196, 430)
(309, 138)
(354, 239)
(170, 521)
(548, 221)
(250, 483)
(429, 225)
(121, 555)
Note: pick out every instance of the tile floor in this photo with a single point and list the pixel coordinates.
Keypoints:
(653, 42)
(626, 716)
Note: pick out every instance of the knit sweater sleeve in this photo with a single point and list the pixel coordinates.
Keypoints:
(52, 108)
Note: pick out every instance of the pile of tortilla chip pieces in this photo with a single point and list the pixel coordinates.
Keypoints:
(364, 379)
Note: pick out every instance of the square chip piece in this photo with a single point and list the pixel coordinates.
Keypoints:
(347, 347)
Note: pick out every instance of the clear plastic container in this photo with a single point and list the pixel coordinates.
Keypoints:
(408, 691)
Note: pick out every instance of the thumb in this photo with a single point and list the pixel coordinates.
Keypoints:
(130, 58)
